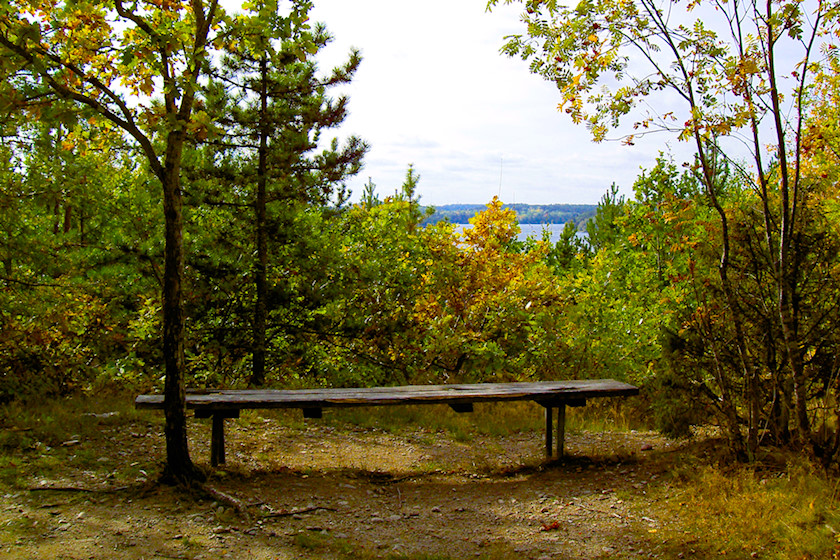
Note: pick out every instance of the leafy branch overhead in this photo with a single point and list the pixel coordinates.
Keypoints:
(719, 61)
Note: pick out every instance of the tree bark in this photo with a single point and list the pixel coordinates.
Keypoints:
(179, 466)
(260, 270)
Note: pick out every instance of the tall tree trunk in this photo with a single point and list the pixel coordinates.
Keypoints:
(260, 270)
(179, 466)
(179, 106)
(787, 271)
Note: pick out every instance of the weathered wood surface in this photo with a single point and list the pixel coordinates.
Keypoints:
(549, 393)
(226, 403)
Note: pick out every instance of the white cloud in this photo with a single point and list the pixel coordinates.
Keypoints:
(433, 90)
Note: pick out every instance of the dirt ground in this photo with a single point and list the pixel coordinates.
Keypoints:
(320, 491)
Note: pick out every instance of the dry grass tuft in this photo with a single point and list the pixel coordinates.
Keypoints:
(779, 508)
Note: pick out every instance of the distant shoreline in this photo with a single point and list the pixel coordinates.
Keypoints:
(534, 214)
(536, 231)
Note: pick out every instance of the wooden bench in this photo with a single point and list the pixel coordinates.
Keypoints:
(226, 403)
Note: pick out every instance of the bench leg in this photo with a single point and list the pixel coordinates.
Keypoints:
(561, 431)
(549, 413)
(217, 441)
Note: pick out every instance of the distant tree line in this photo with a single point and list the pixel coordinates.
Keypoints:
(525, 213)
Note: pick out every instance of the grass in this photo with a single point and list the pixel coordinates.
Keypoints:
(42, 438)
(493, 419)
(605, 415)
(54, 422)
(773, 510)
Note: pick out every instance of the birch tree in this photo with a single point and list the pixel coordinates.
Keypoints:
(732, 78)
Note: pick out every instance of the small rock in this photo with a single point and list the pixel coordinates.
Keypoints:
(436, 509)
(647, 447)
(101, 415)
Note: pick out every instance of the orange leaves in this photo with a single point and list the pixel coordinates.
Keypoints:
(484, 296)
(493, 227)
(168, 5)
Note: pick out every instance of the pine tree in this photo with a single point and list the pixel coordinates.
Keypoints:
(274, 106)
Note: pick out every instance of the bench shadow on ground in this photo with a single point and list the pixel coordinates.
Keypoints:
(418, 493)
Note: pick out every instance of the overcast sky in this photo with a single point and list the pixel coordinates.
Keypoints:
(433, 90)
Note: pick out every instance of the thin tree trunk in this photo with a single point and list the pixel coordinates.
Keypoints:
(728, 404)
(790, 334)
(260, 311)
(787, 277)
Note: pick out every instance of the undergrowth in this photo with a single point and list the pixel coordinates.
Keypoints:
(780, 508)
(493, 419)
(46, 438)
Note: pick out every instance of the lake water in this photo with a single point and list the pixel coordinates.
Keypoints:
(535, 230)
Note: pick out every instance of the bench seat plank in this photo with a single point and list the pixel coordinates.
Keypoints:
(226, 403)
(544, 392)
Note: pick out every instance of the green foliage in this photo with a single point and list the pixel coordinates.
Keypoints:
(603, 229)
(568, 252)
(270, 106)
(491, 308)
(78, 258)
(408, 304)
